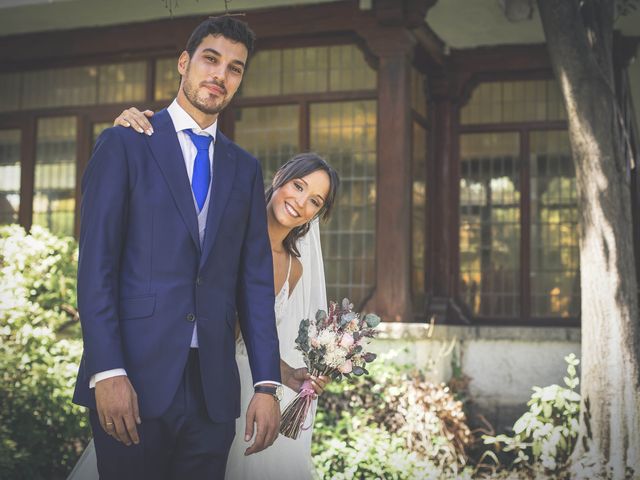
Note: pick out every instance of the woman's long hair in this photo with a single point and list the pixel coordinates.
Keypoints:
(299, 166)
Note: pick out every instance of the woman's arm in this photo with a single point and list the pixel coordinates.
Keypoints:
(295, 377)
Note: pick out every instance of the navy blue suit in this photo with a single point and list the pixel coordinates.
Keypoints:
(143, 278)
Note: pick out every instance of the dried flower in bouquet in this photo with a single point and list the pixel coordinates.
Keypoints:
(332, 344)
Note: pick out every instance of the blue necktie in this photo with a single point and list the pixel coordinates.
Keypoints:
(201, 174)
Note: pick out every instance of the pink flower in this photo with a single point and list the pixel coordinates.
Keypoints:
(346, 367)
(346, 341)
(315, 343)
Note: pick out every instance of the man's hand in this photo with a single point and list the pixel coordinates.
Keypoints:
(117, 405)
(264, 410)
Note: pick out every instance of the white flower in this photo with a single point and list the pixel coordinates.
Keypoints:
(313, 331)
(327, 338)
(335, 356)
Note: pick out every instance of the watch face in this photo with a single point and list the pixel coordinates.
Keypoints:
(279, 392)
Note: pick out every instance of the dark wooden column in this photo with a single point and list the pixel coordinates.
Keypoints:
(442, 200)
(392, 296)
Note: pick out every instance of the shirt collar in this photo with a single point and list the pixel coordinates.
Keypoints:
(183, 121)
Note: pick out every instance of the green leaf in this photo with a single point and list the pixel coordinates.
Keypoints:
(346, 305)
(321, 317)
(520, 424)
(372, 320)
(572, 396)
(369, 357)
(347, 318)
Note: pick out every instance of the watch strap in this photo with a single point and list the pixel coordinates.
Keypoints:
(268, 389)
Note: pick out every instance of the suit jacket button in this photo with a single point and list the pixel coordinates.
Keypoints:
(191, 317)
(199, 281)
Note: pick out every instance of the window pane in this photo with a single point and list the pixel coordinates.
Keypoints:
(308, 69)
(519, 101)
(9, 92)
(345, 134)
(419, 215)
(264, 75)
(124, 82)
(490, 223)
(167, 79)
(55, 175)
(269, 133)
(349, 70)
(555, 255)
(60, 87)
(9, 176)
(304, 70)
(97, 129)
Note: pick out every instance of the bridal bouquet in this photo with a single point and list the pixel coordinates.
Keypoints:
(332, 344)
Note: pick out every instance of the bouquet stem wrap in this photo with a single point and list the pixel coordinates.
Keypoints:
(297, 411)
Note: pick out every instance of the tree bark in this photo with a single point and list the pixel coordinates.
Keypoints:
(579, 38)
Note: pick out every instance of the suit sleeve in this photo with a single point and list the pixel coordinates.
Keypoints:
(255, 297)
(103, 216)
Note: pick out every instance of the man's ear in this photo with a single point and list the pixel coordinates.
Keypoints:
(183, 62)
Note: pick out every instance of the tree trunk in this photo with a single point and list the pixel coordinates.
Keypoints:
(579, 38)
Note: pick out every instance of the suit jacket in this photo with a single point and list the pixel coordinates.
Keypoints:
(143, 278)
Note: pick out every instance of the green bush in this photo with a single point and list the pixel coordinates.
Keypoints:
(392, 424)
(42, 433)
(545, 436)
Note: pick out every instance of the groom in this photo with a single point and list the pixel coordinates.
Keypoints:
(173, 241)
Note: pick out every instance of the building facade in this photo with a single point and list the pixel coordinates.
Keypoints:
(458, 197)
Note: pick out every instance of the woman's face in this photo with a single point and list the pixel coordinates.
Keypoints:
(299, 200)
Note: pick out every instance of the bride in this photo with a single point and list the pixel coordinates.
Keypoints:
(303, 189)
(302, 192)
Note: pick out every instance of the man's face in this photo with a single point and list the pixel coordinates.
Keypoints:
(212, 76)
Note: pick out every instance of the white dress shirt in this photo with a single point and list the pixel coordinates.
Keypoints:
(181, 121)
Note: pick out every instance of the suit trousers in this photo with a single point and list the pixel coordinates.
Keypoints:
(183, 443)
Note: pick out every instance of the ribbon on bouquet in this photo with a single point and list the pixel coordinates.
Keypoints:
(307, 392)
(295, 414)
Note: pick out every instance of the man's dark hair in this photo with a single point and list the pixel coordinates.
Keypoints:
(227, 26)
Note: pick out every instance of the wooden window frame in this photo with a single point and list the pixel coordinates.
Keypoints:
(87, 115)
(523, 129)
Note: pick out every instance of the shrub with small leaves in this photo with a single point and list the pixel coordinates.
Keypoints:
(544, 437)
(392, 424)
(42, 432)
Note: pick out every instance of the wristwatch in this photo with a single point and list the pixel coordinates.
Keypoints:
(274, 390)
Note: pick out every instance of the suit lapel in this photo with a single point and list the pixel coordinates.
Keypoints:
(167, 153)
(224, 170)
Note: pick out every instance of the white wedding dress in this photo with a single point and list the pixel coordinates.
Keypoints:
(286, 459)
